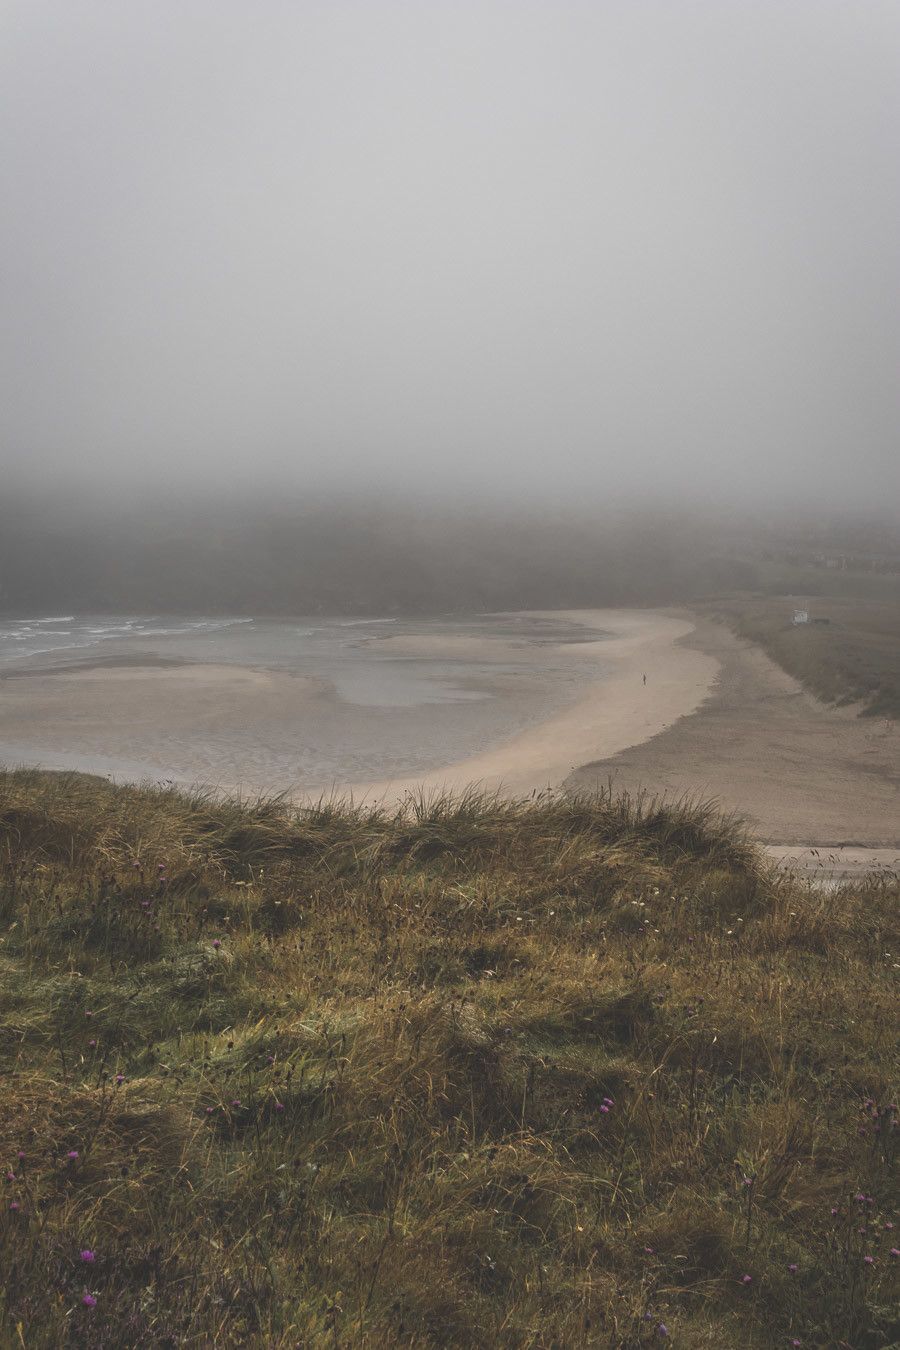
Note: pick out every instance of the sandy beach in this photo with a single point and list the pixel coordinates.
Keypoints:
(802, 773)
(527, 698)
(612, 714)
(523, 703)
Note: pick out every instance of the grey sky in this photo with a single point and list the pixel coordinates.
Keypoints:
(578, 248)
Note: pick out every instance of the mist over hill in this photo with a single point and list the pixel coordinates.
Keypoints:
(365, 557)
(350, 558)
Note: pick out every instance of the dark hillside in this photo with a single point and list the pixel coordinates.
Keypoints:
(303, 558)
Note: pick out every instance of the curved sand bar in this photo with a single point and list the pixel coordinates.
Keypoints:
(612, 714)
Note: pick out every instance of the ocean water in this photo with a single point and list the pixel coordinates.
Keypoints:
(383, 714)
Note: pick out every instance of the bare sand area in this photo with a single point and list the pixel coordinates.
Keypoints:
(148, 719)
(611, 714)
(800, 772)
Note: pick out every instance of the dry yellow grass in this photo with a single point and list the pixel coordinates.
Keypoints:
(559, 1073)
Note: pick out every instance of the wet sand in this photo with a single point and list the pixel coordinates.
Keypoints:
(150, 718)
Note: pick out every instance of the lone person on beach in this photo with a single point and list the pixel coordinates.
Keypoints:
(645, 679)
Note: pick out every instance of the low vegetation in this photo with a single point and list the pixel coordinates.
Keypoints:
(849, 652)
(557, 1073)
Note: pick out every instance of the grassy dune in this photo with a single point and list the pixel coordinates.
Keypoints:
(566, 1073)
(854, 657)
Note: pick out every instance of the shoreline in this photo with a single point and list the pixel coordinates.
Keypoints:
(537, 706)
(75, 667)
(610, 715)
(818, 787)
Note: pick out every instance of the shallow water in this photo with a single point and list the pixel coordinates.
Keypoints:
(381, 714)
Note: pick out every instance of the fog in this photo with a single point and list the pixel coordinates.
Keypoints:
(570, 252)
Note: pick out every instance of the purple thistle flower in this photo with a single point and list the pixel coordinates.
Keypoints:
(746, 1279)
(887, 1225)
(279, 1106)
(869, 1260)
(216, 943)
(604, 1110)
(120, 1078)
(89, 1301)
(92, 1045)
(10, 1176)
(796, 1344)
(21, 1157)
(72, 1155)
(236, 1104)
(87, 1256)
(895, 1252)
(608, 1101)
(662, 1329)
(793, 1268)
(833, 1212)
(14, 1205)
(88, 1013)
(210, 1110)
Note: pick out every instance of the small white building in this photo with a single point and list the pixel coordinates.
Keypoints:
(801, 616)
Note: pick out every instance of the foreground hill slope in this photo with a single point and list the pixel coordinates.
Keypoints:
(571, 1072)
